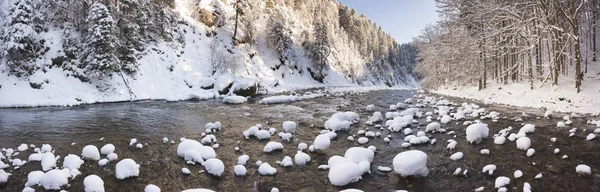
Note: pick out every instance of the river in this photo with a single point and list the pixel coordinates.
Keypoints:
(69, 129)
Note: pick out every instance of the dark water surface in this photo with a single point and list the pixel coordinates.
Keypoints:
(150, 121)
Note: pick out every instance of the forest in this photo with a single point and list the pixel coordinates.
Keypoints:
(530, 41)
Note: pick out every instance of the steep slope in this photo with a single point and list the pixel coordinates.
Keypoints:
(177, 50)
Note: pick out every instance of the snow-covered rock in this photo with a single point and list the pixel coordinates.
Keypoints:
(477, 132)
(33, 178)
(489, 169)
(266, 169)
(243, 159)
(272, 146)
(411, 163)
(151, 188)
(107, 149)
(93, 183)
(4, 176)
(433, 126)
(518, 174)
(456, 156)
(527, 128)
(321, 142)
(239, 170)
(90, 152)
(289, 126)
(501, 181)
(48, 161)
(523, 143)
(234, 99)
(214, 166)
(584, 170)
(55, 179)
(301, 158)
(127, 168)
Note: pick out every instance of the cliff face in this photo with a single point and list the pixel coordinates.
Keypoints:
(65, 52)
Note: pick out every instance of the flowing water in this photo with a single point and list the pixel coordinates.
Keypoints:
(69, 129)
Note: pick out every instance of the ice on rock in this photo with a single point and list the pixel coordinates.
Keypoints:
(477, 132)
(501, 181)
(289, 126)
(90, 152)
(243, 159)
(48, 161)
(301, 158)
(273, 146)
(234, 99)
(214, 166)
(151, 188)
(489, 169)
(411, 163)
(266, 169)
(33, 178)
(239, 170)
(518, 174)
(93, 183)
(523, 143)
(107, 149)
(127, 168)
(456, 156)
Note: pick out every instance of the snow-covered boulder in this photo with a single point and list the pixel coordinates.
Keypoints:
(321, 142)
(272, 146)
(48, 161)
(433, 126)
(33, 178)
(107, 149)
(523, 143)
(55, 179)
(214, 166)
(266, 169)
(234, 99)
(72, 162)
(359, 154)
(477, 132)
(127, 168)
(93, 183)
(151, 188)
(347, 172)
(301, 158)
(583, 170)
(501, 181)
(527, 128)
(411, 163)
(90, 152)
(240, 170)
(289, 126)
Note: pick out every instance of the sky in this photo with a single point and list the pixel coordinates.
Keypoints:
(403, 19)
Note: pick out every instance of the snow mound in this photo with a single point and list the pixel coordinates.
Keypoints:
(527, 128)
(33, 178)
(501, 181)
(234, 99)
(321, 142)
(127, 168)
(477, 132)
(48, 161)
(266, 169)
(151, 188)
(347, 172)
(214, 166)
(456, 156)
(523, 143)
(359, 154)
(239, 170)
(583, 170)
(489, 169)
(411, 163)
(90, 152)
(301, 158)
(433, 126)
(272, 146)
(107, 149)
(289, 126)
(72, 162)
(54, 179)
(4, 176)
(93, 183)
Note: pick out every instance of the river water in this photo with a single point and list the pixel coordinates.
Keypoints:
(69, 129)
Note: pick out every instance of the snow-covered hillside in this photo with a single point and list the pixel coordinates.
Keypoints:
(177, 62)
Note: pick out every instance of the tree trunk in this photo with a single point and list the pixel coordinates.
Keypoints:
(578, 74)
(593, 37)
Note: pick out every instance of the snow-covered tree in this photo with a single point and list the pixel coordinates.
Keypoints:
(22, 42)
(320, 47)
(279, 37)
(100, 57)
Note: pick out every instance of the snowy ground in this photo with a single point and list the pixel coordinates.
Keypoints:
(561, 99)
